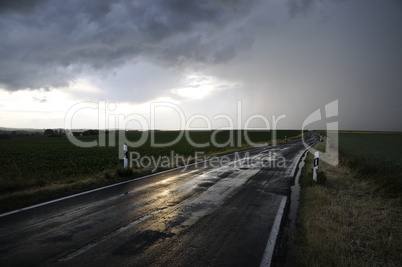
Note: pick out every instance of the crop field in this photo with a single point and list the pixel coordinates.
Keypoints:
(37, 162)
(373, 148)
(375, 155)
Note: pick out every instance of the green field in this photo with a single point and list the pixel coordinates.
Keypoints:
(54, 166)
(376, 156)
(378, 148)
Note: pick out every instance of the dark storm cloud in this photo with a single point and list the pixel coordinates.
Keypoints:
(47, 43)
(18, 6)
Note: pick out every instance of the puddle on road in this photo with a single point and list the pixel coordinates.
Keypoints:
(210, 200)
(292, 217)
(139, 242)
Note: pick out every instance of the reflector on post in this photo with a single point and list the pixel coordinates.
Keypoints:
(125, 159)
(316, 160)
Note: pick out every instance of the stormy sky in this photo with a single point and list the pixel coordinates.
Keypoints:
(202, 62)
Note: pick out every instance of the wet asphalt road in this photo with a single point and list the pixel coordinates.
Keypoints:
(201, 216)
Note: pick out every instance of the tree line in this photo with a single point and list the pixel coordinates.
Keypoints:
(50, 133)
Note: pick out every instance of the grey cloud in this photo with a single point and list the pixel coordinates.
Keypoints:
(47, 43)
(301, 7)
(40, 100)
(354, 56)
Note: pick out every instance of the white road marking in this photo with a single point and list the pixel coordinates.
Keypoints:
(98, 189)
(298, 157)
(269, 250)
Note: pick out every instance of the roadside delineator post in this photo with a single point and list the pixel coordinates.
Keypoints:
(315, 170)
(125, 159)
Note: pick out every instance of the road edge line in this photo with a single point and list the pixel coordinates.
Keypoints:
(269, 249)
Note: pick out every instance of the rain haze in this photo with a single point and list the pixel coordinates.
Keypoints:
(210, 60)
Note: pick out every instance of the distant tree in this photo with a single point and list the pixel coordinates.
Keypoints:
(4, 136)
(91, 132)
(48, 132)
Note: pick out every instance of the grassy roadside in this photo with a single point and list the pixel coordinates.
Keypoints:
(346, 219)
